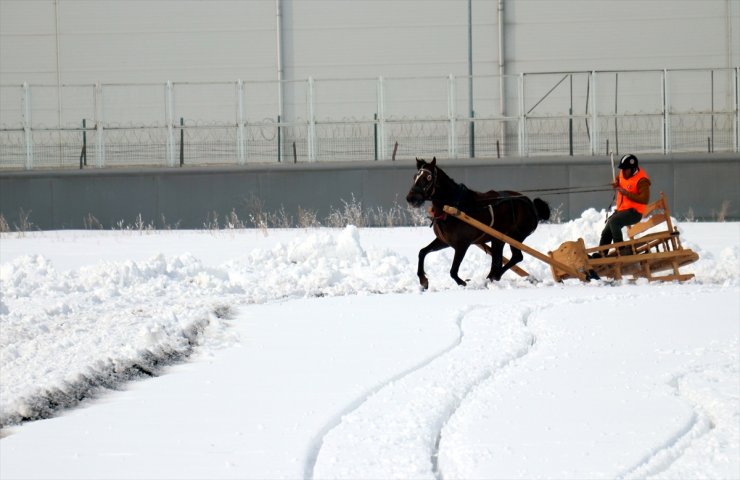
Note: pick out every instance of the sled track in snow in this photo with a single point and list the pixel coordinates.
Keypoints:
(435, 453)
(403, 418)
(316, 444)
(661, 458)
(110, 376)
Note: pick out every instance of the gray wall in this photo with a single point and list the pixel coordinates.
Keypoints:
(696, 185)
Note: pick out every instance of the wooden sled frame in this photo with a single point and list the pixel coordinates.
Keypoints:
(643, 255)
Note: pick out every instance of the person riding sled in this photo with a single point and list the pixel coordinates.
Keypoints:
(633, 194)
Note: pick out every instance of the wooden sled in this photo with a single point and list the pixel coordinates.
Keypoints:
(642, 256)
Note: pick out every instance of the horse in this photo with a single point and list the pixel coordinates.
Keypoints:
(509, 212)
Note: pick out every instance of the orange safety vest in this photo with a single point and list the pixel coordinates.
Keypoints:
(624, 203)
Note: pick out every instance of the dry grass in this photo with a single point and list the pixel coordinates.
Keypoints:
(255, 215)
(721, 215)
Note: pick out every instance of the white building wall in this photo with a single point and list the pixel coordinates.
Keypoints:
(57, 42)
(120, 41)
(622, 35)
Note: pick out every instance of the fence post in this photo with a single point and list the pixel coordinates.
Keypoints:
(83, 152)
(570, 119)
(711, 96)
(375, 135)
(737, 109)
(381, 120)
(616, 112)
(594, 117)
(666, 117)
(279, 140)
(472, 134)
(570, 131)
(451, 137)
(169, 118)
(182, 141)
(99, 116)
(241, 141)
(522, 118)
(27, 125)
(311, 122)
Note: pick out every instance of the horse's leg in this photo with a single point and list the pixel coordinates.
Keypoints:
(436, 244)
(516, 257)
(516, 254)
(497, 253)
(456, 261)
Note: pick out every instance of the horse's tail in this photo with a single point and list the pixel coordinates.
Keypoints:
(542, 208)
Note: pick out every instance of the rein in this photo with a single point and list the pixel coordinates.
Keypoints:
(461, 189)
(565, 190)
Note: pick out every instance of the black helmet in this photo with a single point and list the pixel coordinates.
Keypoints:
(628, 161)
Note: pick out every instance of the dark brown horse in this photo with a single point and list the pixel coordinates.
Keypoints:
(508, 212)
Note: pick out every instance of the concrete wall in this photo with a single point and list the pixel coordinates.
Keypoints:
(695, 185)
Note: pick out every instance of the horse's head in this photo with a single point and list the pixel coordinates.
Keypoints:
(425, 181)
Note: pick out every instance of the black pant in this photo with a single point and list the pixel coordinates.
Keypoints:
(613, 230)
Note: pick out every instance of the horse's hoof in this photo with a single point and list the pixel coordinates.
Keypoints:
(424, 283)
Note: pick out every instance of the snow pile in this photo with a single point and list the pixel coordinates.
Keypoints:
(318, 264)
(66, 334)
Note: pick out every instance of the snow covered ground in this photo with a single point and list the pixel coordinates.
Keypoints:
(314, 354)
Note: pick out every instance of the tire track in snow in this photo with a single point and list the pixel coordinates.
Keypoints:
(394, 431)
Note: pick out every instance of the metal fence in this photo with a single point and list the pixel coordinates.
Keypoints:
(228, 123)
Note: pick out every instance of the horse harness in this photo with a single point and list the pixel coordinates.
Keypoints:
(440, 216)
(461, 192)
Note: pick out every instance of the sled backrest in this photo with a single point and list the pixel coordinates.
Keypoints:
(655, 214)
